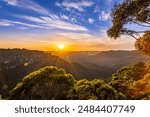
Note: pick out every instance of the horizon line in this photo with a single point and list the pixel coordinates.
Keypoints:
(65, 50)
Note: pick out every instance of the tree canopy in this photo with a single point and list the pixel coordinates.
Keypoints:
(128, 12)
(132, 12)
(132, 81)
(94, 90)
(53, 83)
(46, 83)
(143, 44)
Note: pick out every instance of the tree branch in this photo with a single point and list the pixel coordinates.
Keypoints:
(147, 22)
(141, 24)
(134, 37)
(131, 33)
(135, 32)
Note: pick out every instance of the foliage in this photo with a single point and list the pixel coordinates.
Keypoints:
(46, 83)
(129, 12)
(143, 44)
(132, 81)
(95, 89)
(54, 83)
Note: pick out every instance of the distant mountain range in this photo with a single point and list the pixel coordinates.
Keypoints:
(111, 59)
(17, 63)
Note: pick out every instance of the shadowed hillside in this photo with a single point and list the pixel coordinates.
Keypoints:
(17, 63)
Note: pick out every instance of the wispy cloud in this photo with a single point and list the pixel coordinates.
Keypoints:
(11, 2)
(11, 23)
(75, 21)
(87, 41)
(30, 18)
(45, 22)
(78, 5)
(28, 4)
(108, 1)
(4, 23)
(104, 16)
(78, 36)
(90, 20)
(48, 21)
(62, 24)
(65, 17)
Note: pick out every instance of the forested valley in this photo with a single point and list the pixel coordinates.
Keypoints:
(108, 75)
(47, 76)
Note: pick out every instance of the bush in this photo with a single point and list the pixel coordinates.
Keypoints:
(46, 83)
(95, 89)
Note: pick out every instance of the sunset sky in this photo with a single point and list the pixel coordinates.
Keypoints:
(42, 24)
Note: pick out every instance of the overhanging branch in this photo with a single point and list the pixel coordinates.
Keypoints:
(141, 24)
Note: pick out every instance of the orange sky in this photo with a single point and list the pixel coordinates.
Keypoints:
(69, 46)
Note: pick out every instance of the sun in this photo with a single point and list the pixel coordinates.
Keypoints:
(61, 46)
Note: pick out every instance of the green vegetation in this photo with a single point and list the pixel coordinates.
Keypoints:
(143, 44)
(132, 12)
(46, 83)
(129, 12)
(94, 90)
(132, 80)
(53, 83)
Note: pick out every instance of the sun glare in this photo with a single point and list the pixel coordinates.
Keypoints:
(61, 46)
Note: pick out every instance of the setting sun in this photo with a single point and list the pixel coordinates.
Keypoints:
(61, 46)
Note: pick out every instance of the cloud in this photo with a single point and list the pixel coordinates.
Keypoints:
(3, 23)
(86, 41)
(65, 17)
(46, 22)
(108, 1)
(91, 20)
(28, 25)
(77, 36)
(50, 20)
(30, 18)
(104, 16)
(11, 23)
(74, 20)
(11, 2)
(79, 5)
(62, 24)
(28, 4)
